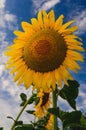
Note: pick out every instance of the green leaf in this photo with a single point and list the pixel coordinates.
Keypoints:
(40, 129)
(25, 127)
(1, 128)
(57, 112)
(30, 111)
(79, 126)
(70, 93)
(18, 123)
(22, 104)
(83, 121)
(33, 98)
(72, 118)
(23, 96)
(54, 111)
(10, 118)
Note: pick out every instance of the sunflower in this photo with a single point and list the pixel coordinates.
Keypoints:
(44, 52)
(43, 104)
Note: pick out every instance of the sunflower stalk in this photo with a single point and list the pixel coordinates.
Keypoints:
(54, 99)
(19, 114)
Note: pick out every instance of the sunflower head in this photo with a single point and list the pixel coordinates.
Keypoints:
(44, 52)
(43, 104)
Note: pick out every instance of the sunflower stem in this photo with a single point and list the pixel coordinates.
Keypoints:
(19, 114)
(54, 99)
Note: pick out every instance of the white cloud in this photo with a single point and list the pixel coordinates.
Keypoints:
(2, 4)
(49, 4)
(1, 69)
(81, 102)
(11, 109)
(2, 36)
(6, 18)
(5, 110)
(10, 100)
(44, 5)
(81, 22)
(7, 22)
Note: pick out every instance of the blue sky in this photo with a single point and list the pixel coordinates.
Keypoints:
(12, 12)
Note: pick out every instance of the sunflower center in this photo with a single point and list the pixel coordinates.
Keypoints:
(43, 47)
(45, 99)
(45, 51)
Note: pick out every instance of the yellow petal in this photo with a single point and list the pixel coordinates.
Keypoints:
(35, 24)
(11, 63)
(37, 80)
(58, 23)
(46, 20)
(51, 17)
(20, 72)
(18, 33)
(22, 35)
(44, 81)
(17, 46)
(16, 68)
(79, 48)
(75, 54)
(53, 80)
(73, 41)
(75, 58)
(71, 64)
(58, 78)
(72, 37)
(13, 53)
(40, 19)
(65, 74)
(27, 27)
(65, 26)
(21, 79)
(70, 30)
(28, 78)
(49, 79)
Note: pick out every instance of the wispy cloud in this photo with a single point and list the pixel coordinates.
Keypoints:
(2, 4)
(44, 5)
(7, 20)
(81, 102)
(7, 23)
(81, 21)
(7, 109)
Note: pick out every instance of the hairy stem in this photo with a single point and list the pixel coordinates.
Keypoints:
(54, 96)
(19, 114)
